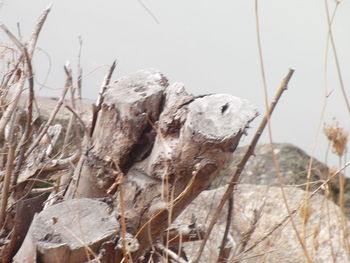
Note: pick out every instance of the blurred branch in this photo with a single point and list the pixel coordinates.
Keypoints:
(76, 115)
(149, 11)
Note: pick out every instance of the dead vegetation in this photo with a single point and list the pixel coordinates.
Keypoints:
(141, 159)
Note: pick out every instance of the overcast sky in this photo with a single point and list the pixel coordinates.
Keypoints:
(209, 45)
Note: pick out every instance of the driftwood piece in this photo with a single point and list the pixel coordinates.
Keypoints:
(71, 231)
(162, 145)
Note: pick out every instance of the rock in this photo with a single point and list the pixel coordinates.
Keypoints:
(324, 233)
(294, 164)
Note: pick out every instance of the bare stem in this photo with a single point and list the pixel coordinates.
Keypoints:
(100, 97)
(53, 114)
(9, 167)
(243, 162)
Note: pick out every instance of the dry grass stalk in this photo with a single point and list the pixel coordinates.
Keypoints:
(242, 163)
(338, 139)
(53, 113)
(334, 49)
(7, 179)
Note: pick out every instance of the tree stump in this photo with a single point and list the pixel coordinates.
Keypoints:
(154, 149)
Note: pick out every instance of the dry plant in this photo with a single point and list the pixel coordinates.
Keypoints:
(28, 146)
(32, 164)
(337, 137)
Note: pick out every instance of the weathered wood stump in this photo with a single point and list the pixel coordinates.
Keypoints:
(154, 149)
(71, 231)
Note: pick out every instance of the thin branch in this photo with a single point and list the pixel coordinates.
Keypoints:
(86, 131)
(149, 11)
(248, 234)
(36, 32)
(337, 63)
(80, 71)
(126, 253)
(274, 158)
(320, 122)
(43, 190)
(19, 88)
(9, 167)
(12, 37)
(53, 114)
(240, 166)
(72, 120)
(170, 253)
(100, 97)
(31, 47)
(28, 126)
(222, 257)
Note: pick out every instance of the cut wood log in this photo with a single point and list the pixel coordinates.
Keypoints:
(71, 231)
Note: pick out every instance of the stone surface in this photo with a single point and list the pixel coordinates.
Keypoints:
(323, 230)
(294, 164)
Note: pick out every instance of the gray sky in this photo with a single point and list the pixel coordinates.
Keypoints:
(209, 45)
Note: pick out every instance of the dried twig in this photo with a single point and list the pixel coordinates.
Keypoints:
(126, 253)
(148, 11)
(13, 104)
(28, 126)
(100, 97)
(31, 47)
(221, 257)
(242, 163)
(53, 114)
(8, 174)
(170, 253)
(72, 120)
(76, 115)
(36, 32)
(248, 234)
(335, 53)
(42, 190)
(80, 71)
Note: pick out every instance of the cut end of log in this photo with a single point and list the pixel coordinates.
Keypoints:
(135, 87)
(220, 116)
(63, 231)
